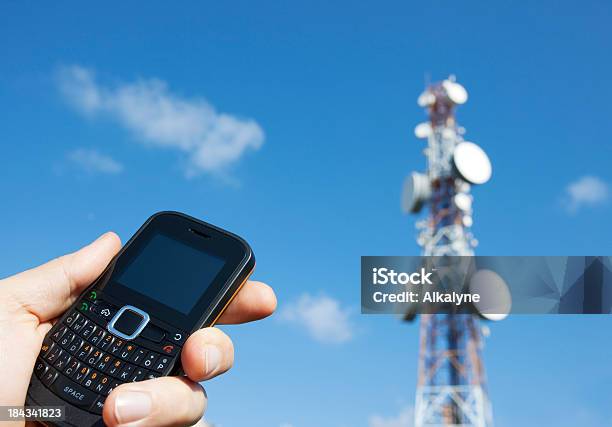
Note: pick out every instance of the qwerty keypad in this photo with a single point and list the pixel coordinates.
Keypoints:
(81, 362)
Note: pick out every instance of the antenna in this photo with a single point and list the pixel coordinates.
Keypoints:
(472, 163)
(455, 92)
(423, 130)
(417, 191)
(495, 299)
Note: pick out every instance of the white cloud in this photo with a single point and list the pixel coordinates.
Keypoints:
(586, 191)
(94, 162)
(211, 140)
(405, 418)
(322, 317)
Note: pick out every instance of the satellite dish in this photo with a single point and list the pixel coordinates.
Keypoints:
(448, 133)
(462, 186)
(423, 130)
(426, 99)
(467, 221)
(416, 191)
(455, 92)
(472, 163)
(495, 299)
(463, 202)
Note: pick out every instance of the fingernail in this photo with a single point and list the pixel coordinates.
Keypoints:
(212, 356)
(132, 406)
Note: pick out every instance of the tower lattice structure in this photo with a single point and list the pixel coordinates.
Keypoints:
(451, 382)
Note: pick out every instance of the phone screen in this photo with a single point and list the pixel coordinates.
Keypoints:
(171, 272)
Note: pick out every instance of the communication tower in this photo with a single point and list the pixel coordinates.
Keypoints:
(451, 383)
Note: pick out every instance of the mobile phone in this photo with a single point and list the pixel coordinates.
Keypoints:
(176, 275)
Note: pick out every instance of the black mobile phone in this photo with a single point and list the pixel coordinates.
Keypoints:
(174, 276)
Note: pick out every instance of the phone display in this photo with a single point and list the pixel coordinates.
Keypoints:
(176, 275)
(164, 261)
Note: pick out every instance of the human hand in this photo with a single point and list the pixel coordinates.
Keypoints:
(30, 302)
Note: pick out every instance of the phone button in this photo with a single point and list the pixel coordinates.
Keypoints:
(66, 340)
(52, 355)
(149, 361)
(49, 376)
(40, 368)
(138, 356)
(153, 333)
(125, 373)
(104, 310)
(46, 346)
(178, 337)
(129, 322)
(72, 392)
(161, 364)
(169, 349)
(98, 405)
(72, 318)
(127, 351)
(75, 345)
(138, 375)
(93, 294)
(79, 324)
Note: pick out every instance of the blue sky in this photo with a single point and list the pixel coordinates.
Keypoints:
(317, 102)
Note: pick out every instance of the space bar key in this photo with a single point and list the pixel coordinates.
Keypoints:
(72, 392)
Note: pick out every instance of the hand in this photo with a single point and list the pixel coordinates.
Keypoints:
(30, 301)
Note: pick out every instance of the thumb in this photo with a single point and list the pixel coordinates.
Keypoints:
(47, 291)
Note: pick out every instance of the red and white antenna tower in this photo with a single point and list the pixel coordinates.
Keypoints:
(451, 384)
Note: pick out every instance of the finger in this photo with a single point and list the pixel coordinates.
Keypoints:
(207, 353)
(255, 301)
(166, 401)
(48, 290)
